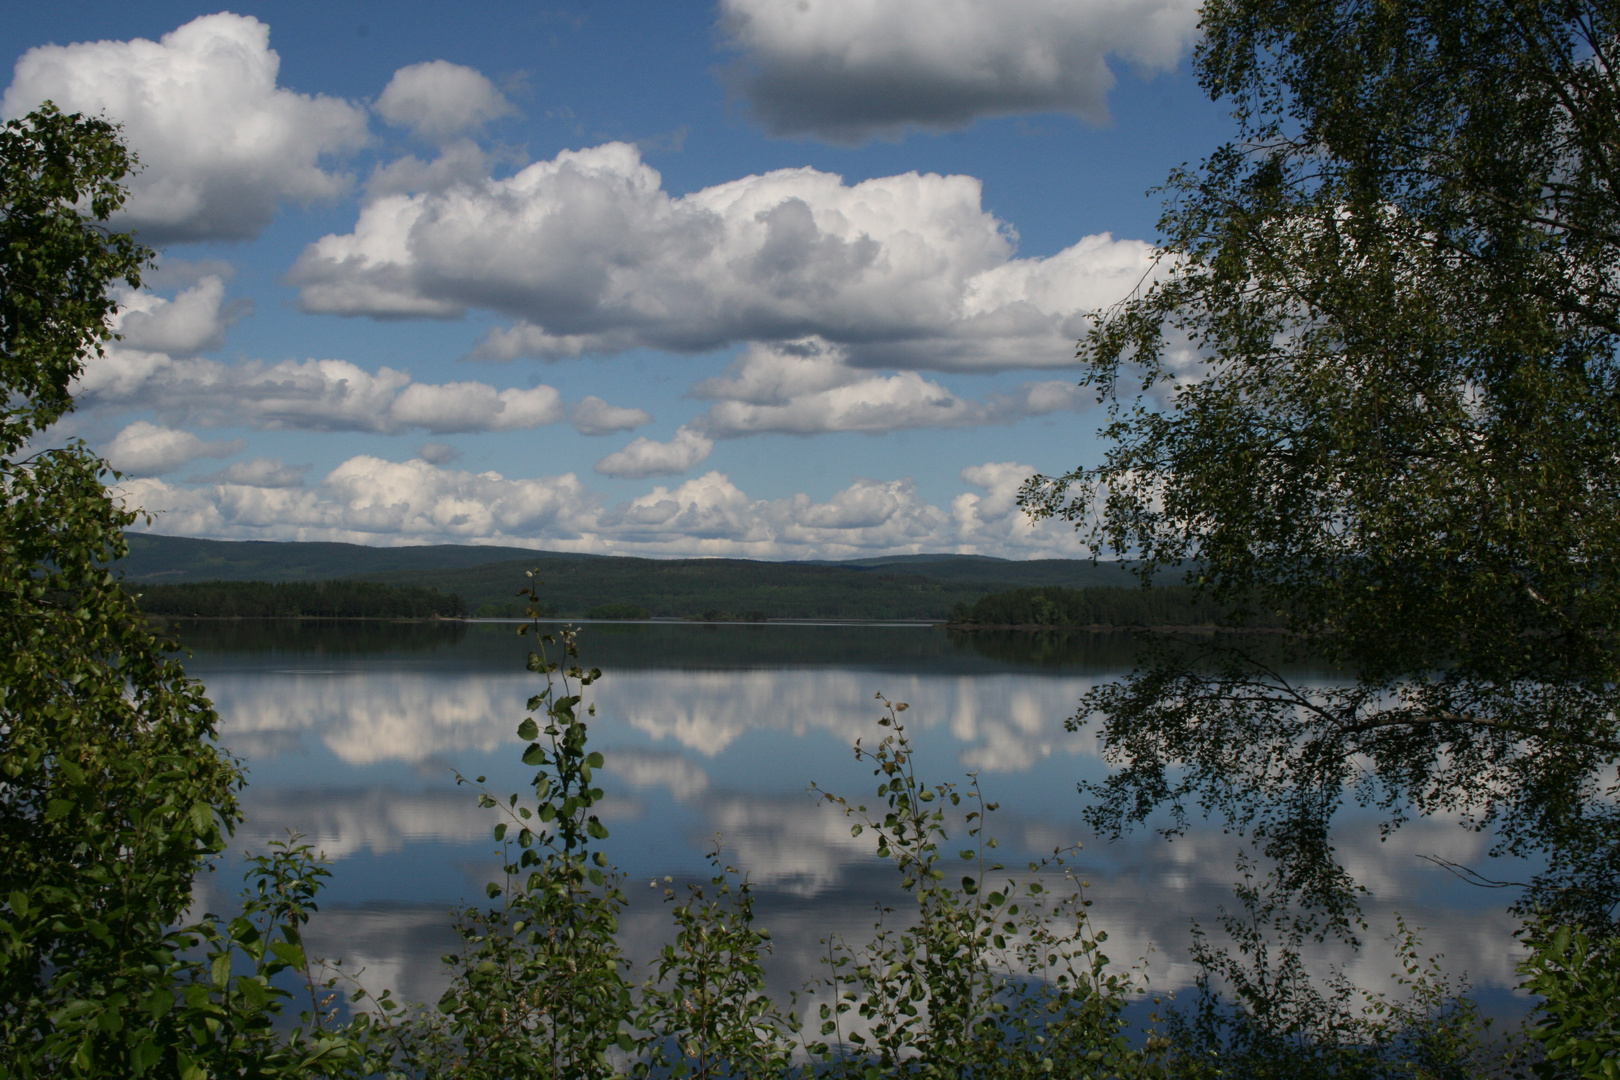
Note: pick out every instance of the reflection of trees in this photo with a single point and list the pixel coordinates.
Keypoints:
(680, 646)
(1116, 651)
(1113, 650)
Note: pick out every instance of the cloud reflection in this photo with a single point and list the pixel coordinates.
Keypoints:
(1000, 723)
(667, 735)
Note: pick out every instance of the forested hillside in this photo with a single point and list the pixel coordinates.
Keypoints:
(298, 599)
(487, 578)
(155, 558)
(700, 588)
(1169, 605)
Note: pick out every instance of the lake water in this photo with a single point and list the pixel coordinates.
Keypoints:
(352, 733)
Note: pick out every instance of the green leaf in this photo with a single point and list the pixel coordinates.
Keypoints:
(288, 953)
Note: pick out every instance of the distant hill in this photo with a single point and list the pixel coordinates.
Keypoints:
(1070, 573)
(182, 558)
(296, 600)
(487, 578)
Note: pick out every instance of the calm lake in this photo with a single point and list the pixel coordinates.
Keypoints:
(352, 733)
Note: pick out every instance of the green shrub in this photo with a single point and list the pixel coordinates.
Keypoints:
(1577, 1020)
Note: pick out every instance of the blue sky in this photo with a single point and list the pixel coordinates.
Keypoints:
(760, 278)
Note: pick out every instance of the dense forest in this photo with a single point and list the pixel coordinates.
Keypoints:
(712, 589)
(701, 590)
(575, 586)
(1052, 605)
(298, 599)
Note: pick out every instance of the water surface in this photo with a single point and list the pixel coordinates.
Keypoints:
(353, 733)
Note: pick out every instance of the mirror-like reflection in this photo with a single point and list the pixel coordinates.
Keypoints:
(717, 732)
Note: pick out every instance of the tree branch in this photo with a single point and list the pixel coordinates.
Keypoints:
(1603, 745)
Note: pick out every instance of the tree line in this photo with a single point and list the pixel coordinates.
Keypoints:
(297, 599)
(1053, 605)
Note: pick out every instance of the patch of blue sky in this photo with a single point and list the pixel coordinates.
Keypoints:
(828, 362)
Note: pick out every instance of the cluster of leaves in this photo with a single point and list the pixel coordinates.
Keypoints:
(539, 989)
(1577, 978)
(989, 975)
(1258, 1011)
(298, 599)
(113, 795)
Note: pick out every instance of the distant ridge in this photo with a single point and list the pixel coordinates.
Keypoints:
(890, 586)
(184, 558)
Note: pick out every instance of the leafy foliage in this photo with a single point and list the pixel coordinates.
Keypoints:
(111, 793)
(1259, 1011)
(1379, 402)
(990, 975)
(1577, 978)
(539, 989)
(56, 261)
(704, 1012)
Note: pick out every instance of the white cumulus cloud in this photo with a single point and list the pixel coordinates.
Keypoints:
(460, 162)
(319, 395)
(371, 501)
(711, 515)
(193, 322)
(438, 453)
(474, 406)
(846, 70)
(991, 522)
(593, 416)
(220, 143)
(144, 449)
(648, 457)
(260, 472)
(808, 387)
(589, 254)
(439, 100)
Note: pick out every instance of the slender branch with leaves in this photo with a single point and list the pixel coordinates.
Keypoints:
(986, 974)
